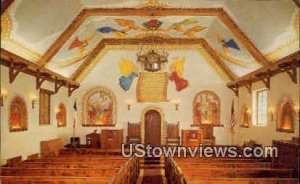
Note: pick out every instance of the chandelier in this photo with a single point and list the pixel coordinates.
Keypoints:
(152, 60)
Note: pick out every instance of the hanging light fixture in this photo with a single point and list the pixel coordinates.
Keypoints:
(152, 59)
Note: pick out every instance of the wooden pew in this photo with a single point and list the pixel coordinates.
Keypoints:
(218, 170)
(72, 169)
(56, 180)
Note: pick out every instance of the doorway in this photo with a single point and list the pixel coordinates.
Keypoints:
(153, 128)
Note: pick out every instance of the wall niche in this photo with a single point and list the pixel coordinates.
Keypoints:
(17, 115)
(286, 115)
(245, 116)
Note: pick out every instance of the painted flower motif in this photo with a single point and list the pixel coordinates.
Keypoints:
(152, 24)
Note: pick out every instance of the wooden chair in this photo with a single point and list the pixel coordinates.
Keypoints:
(207, 134)
(173, 138)
(133, 133)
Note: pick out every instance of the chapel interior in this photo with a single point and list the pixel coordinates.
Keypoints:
(85, 81)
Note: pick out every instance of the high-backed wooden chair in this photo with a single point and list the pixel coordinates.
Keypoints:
(173, 138)
(133, 133)
(207, 134)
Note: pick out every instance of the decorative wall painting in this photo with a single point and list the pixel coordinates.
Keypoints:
(206, 108)
(99, 108)
(17, 115)
(176, 76)
(129, 72)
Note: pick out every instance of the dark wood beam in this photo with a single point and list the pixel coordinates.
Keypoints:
(15, 69)
(40, 78)
(288, 64)
(71, 89)
(297, 2)
(265, 77)
(5, 4)
(90, 12)
(151, 41)
(58, 84)
(31, 68)
(234, 88)
(290, 69)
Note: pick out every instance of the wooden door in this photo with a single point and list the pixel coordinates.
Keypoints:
(152, 128)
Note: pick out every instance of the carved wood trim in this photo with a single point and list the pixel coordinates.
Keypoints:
(58, 84)
(5, 5)
(288, 64)
(15, 69)
(32, 69)
(290, 69)
(265, 77)
(40, 78)
(234, 88)
(149, 40)
(71, 89)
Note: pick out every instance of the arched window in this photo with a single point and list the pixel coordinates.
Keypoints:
(17, 115)
(206, 107)
(245, 116)
(99, 108)
(61, 115)
(286, 116)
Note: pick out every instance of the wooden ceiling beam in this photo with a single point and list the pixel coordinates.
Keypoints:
(14, 69)
(58, 84)
(218, 60)
(243, 38)
(5, 4)
(8, 59)
(288, 64)
(89, 12)
(71, 89)
(40, 78)
(152, 40)
(63, 38)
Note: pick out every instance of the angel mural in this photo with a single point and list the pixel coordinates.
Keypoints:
(129, 71)
(206, 108)
(98, 107)
(177, 69)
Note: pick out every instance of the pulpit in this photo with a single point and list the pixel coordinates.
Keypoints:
(191, 137)
(93, 140)
(111, 139)
(207, 134)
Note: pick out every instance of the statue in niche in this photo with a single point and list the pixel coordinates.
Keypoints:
(245, 116)
(18, 115)
(286, 116)
(16, 118)
(206, 108)
(61, 115)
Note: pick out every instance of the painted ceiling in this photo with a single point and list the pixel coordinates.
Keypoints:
(64, 36)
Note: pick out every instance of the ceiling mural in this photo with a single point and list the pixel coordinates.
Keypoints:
(64, 38)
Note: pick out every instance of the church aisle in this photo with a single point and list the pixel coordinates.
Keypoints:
(152, 171)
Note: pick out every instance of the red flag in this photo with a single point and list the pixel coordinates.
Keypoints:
(232, 118)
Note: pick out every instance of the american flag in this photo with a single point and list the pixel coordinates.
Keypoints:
(232, 118)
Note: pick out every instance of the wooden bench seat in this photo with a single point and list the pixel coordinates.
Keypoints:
(201, 180)
(239, 172)
(225, 165)
(41, 164)
(82, 172)
(56, 180)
